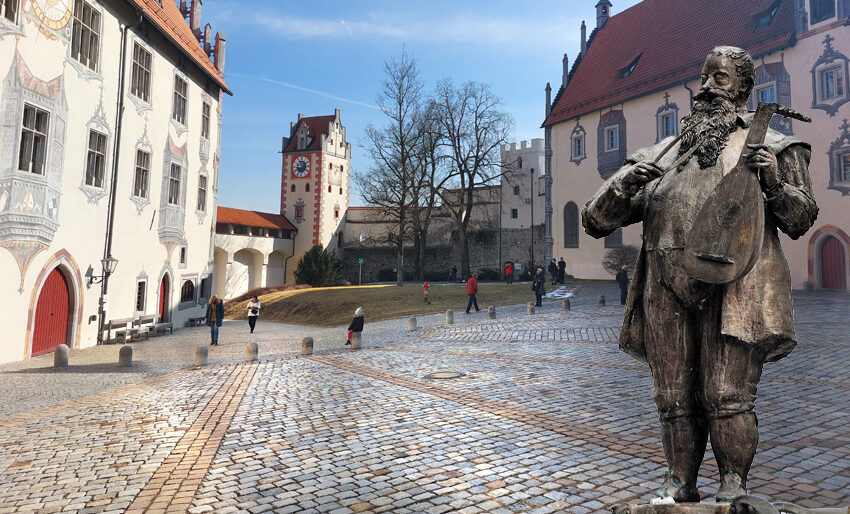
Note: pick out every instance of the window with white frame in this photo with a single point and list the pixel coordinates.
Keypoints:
(766, 93)
(205, 120)
(96, 159)
(140, 82)
(668, 125)
(832, 85)
(822, 10)
(844, 172)
(612, 139)
(178, 109)
(141, 293)
(9, 10)
(33, 140)
(174, 185)
(85, 39)
(143, 168)
(578, 146)
(202, 193)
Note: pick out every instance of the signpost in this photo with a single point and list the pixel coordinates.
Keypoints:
(360, 271)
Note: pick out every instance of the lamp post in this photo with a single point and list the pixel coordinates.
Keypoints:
(108, 265)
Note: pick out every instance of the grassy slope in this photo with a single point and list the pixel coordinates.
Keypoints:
(331, 307)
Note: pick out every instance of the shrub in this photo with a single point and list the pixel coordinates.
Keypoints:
(488, 274)
(616, 258)
(317, 267)
(437, 275)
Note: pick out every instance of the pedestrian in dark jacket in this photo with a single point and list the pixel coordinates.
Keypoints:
(471, 291)
(356, 324)
(214, 317)
(453, 275)
(553, 271)
(562, 270)
(538, 285)
(622, 279)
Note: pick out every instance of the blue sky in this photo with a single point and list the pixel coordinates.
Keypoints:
(285, 58)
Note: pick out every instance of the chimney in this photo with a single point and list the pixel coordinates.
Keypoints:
(218, 53)
(207, 36)
(184, 9)
(583, 38)
(603, 12)
(565, 77)
(548, 99)
(195, 18)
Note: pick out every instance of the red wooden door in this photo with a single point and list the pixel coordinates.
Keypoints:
(832, 264)
(51, 315)
(163, 299)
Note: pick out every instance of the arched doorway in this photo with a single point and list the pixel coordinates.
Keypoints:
(276, 269)
(52, 314)
(833, 263)
(164, 294)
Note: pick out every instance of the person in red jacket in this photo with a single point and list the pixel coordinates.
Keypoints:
(472, 290)
(509, 272)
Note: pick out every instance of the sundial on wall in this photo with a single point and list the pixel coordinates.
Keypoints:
(53, 17)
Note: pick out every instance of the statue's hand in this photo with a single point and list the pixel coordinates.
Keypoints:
(637, 175)
(763, 160)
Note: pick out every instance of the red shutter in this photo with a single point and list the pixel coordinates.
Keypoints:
(51, 314)
(163, 299)
(832, 264)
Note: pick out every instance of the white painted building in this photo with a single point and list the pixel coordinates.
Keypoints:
(109, 144)
(523, 188)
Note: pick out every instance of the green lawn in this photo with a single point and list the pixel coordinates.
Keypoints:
(329, 307)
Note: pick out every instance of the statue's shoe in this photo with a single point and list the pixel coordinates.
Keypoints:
(674, 488)
(731, 487)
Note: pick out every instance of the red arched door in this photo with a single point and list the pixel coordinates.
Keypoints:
(51, 314)
(163, 299)
(832, 264)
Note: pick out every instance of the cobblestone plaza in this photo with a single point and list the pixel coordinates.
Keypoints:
(546, 415)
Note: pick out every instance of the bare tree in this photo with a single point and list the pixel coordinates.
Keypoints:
(388, 182)
(620, 256)
(473, 129)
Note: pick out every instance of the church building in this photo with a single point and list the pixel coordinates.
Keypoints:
(636, 77)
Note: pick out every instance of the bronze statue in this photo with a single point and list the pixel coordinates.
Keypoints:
(706, 342)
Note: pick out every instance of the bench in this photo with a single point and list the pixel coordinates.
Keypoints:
(159, 328)
(144, 325)
(123, 328)
(195, 322)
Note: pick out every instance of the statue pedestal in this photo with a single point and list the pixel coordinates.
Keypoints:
(741, 505)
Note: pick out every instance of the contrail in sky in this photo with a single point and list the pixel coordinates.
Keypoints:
(300, 88)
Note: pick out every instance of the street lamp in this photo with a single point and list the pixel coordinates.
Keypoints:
(108, 265)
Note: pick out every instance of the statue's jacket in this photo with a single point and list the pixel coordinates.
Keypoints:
(756, 309)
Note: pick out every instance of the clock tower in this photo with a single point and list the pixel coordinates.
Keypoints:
(315, 181)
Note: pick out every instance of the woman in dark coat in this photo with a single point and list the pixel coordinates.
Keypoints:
(356, 324)
(214, 317)
(538, 285)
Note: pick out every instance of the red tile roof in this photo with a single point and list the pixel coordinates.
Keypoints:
(253, 218)
(168, 18)
(317, 126)
(670, 40)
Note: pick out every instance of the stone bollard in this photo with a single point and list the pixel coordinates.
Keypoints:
(411, 323)
(307, 346)
(252, 351)
(565, 304)
(602, 300)
(530, 308)
(60, 356)
(491, 312)
(355, 340)
(450, 317)
(202, 356)
(125, 356)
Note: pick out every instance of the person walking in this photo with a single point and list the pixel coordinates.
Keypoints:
(553, 271)
(253, 312)
(471, 291)
(509, 272)
(425, 292)
(214, 317)
(453, 275)
(356, 324)
(622, 279)
(562, 270)
(538, 285)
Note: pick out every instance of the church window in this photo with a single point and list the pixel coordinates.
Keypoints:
(178, 109)
(95, 159)
(292, 188)
(187, 292)
(140, 82)
(86, 34)
(202, 193)
(33, 140)
(614, 240)
(140, 181)
(174, 185)
(9, 9)
(822, 10)
(307, 187)
(571, 225)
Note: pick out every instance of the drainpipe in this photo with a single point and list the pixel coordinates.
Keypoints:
(119, 117)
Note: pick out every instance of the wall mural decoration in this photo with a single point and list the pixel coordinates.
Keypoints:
(773, 84)
(172, 205)
(52, 17)
(99, 123)
(829, 89)
(839, 161)
(144, 144)
(29, 201)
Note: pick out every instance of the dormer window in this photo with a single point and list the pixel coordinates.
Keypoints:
(628, 70)
(765, 18)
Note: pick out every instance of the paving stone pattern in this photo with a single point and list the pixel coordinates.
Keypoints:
(547, 416)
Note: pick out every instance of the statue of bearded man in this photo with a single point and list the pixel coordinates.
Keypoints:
(706, 344)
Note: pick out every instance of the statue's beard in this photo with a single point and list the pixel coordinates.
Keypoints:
(716, 111)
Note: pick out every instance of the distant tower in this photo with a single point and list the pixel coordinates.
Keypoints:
(603, 12)
(315, 181)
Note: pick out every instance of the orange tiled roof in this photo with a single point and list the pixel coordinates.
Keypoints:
(317, 126)
(168, 18)
(253, 218)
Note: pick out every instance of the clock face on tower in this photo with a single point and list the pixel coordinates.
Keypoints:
(54, 14)
(301, 167)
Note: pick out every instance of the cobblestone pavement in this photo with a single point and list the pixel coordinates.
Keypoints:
(546, 416)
